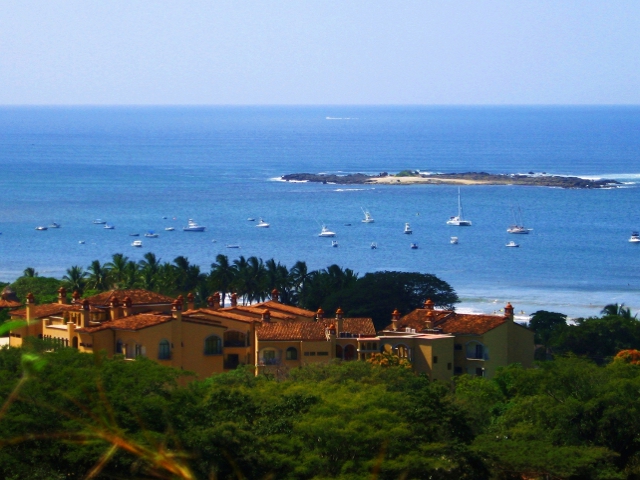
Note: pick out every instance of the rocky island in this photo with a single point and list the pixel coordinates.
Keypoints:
(410, 177)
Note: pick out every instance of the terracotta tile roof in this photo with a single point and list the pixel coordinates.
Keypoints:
(138, 297)
(219, 313)
(133, 322)
(281, 307)
(450, 322)
(312, 331)
(9, 303)
(42, 311)
(258, 312)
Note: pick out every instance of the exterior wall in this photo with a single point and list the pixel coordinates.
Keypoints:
(521, 345)
(193, 356)
(496, 341)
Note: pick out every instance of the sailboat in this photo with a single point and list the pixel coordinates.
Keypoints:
(458, 220)
(518, 224)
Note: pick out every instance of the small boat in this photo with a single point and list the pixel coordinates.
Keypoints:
(41, 228)
(55, 225)
(512, 244)
(233, 246)
(169, 229)
(635, 237)
(407, 229)
(134, 234)
(136, 243)
(518, 225)
(108, 227)
(81, 242)
(326, 232)
(454, 240)
(414, 246)
(347, 224)
(262, 224)
(334, 243)
(193, 227)
(251, 219)
(374, 245)
(457, 220)
(151, 234)
(99, 222)
(164, 218)
(367, 216)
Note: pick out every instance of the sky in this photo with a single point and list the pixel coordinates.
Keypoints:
(308, 52)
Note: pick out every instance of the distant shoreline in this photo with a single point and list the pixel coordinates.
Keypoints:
(469, 178)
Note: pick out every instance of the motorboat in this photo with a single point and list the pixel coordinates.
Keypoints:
(262, 224)
(99, 222)
(374, 245)
(414, 246)
(367, 216)
(169, 229)
(347, 224)
(251, 219)
(136, 243)
(55, 225)
(134, 234)
(81, 242)
(334, 243)
(458, 221)
(108, 226)
(454, 240)
(41, 228)
(151, 234)
(635, 237)
(512, 244)
(193, 227)
(233, 246)
(407, 229)
(325, 232)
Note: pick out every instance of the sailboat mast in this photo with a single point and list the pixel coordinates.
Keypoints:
(459, 205)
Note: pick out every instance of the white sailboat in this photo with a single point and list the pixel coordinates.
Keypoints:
(518, 225)
(367, 216)
(458, 221)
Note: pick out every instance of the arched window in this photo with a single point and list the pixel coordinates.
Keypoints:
(338, 351)
(213, 345)
(402, 351)
(234, 339)
(349, 352)
(292, 353)
(74, 342)
(119, 346)
(476, 351)
(164, 350)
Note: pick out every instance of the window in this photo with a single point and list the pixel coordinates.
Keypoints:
(457, 346)
(435, 359)
(457, 370)
(292, 353)
(448, 366)
(480, 372)
(269, 357)
(323, 354)
(119, 346)
(213, 345)
(402, 351)
(234, 339)
(164, 350)
(479, 351)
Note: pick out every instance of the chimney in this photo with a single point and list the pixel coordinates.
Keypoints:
(76, 296)
(319, 315)
(191, 301)
(339, 322)
(266, 316)
(84, 314)
(216, 301)
(234, 300)
(275, 295)
(395, 318)
(210, 301)
(428, 305)
(62, 296)
(114, 303)
(127, 310)
(508, 311)
(30, 307)
(176, 309)
(429, 321)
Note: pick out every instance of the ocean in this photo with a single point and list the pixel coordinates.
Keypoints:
(134, 166)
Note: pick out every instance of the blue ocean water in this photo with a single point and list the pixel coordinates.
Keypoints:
(134, 166)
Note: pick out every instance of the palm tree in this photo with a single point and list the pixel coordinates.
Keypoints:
(257, 280)
(130, 275)
(299, 280)
(222, 275)
(117, 268)
(613, 309)
(150, 262)
(98, 276)
(75, 278)
(30, 272)
(241, 277)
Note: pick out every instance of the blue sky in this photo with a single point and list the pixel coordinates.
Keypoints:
(218, 52)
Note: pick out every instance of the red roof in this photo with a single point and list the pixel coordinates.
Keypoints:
(42, 311)
(138, 297)
(133, 322)
(450, 322)
(258, 312)
(5, 303)
(281, 307)
(219, 313)
(312, 331)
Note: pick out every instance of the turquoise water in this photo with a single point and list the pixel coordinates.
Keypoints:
(134, 166)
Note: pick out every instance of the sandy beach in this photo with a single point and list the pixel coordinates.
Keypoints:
(391, 180)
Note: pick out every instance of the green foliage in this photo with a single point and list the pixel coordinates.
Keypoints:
(44, 289)
(407, 173)
(546, 325)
